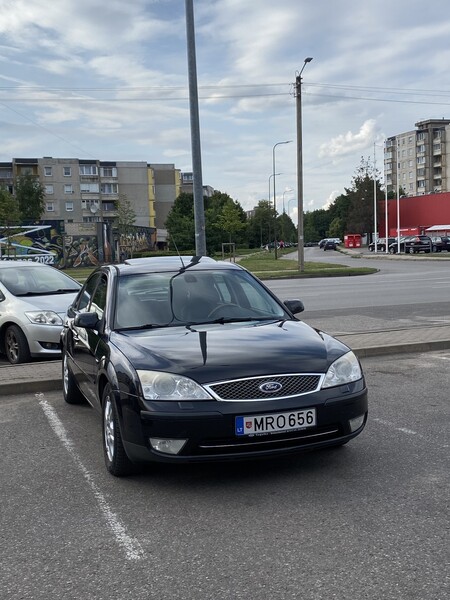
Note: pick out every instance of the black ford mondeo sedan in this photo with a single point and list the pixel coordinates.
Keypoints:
(189, 359)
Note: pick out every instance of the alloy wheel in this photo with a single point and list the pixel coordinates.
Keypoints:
(109, 428)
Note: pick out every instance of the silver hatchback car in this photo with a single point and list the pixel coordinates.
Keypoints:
(33, 301)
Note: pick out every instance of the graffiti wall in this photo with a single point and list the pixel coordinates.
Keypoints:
(80, 245)
(39, 243)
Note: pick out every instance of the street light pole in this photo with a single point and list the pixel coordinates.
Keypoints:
(298, 92)
(270, 177)
(274, 192)
(288, 191)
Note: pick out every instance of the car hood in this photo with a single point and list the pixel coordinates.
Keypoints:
(214, 352)
(56, 302)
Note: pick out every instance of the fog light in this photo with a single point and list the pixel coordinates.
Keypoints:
(356, 423)
(167, 446)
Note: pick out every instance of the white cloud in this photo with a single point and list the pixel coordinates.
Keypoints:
(350, 143)
(112, 80)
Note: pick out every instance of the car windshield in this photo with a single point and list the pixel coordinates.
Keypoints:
(36, 281)
(189, 298)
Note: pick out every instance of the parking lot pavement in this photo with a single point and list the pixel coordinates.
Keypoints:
(46, 376)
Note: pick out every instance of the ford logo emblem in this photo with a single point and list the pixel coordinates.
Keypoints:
(269, 387)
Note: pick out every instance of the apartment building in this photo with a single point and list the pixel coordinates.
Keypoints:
(86, 190)
(418, 161)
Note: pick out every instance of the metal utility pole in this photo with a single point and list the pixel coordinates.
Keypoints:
(298, 95)
(199, 209)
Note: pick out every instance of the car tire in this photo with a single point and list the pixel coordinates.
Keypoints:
(116, 459)
(382, 248)
(16, 346)
(434, 249)
(371, 249)
(391, 250)
(411, 251)
(71, 392)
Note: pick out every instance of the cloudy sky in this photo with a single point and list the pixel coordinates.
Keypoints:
(109, 80)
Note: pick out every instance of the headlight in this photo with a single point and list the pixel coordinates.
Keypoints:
(344, 370)
(44, 317)
(167, 386)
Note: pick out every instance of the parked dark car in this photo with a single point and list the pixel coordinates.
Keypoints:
(412, 244)
(330, 245)
(381, 244)
(189, 359)
(322, 243)
(440, 243)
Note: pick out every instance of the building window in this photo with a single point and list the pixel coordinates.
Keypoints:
(49, 189)
(109, 188)
(88, 169)
(89, 188)
(410, 175)
(68, 189)
(48, 171)
(421, 160)
(108, 171)
(108, 206)
(421, 148)
(67, 171)
(50, 206)
(411, 187)
(421, 136)
(88, 204)
(421, 183)
(69, 206)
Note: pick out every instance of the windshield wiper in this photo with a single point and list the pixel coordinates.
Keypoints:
(222, 320)
(134, 327)
(50, 292)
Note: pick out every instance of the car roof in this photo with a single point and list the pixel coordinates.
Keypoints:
(14, 264)
(161, 264)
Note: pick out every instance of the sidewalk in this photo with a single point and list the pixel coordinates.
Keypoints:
(46, 376)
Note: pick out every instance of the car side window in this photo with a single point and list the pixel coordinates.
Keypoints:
(98, 302)
(86, 293)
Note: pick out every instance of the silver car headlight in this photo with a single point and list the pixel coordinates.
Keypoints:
(344, 370)
(157, 385)
(44, 317)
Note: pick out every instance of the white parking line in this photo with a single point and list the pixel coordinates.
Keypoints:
(132, 548)
(401, 429)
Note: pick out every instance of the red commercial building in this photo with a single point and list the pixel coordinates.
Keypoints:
(417, 213)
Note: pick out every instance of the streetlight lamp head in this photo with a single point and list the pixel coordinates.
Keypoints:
(309, 59)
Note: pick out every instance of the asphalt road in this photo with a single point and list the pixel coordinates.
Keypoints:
(404, 293)
(369, 520)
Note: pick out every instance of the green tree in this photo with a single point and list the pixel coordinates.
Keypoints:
(30, 195)
(230, 219)
(180, 222)
(260, 225)
(361, 199)
(126, 215)
(286, 228)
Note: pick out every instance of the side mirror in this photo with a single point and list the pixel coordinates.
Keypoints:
(294, 306)
(88, 320)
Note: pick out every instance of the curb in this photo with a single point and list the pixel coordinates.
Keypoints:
(53, 381)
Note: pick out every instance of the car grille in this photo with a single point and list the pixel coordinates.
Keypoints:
(252, 444)
(250, 388)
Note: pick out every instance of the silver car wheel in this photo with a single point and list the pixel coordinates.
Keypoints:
(65, 376)
(109, 428)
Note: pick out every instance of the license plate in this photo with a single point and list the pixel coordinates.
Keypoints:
(266, 424)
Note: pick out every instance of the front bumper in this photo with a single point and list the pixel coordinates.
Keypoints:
(209, 427)
(43, 340)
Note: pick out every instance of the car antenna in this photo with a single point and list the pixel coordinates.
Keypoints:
(179, 255)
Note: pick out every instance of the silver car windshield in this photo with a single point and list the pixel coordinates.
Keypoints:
(30, 281)
(189, 298)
